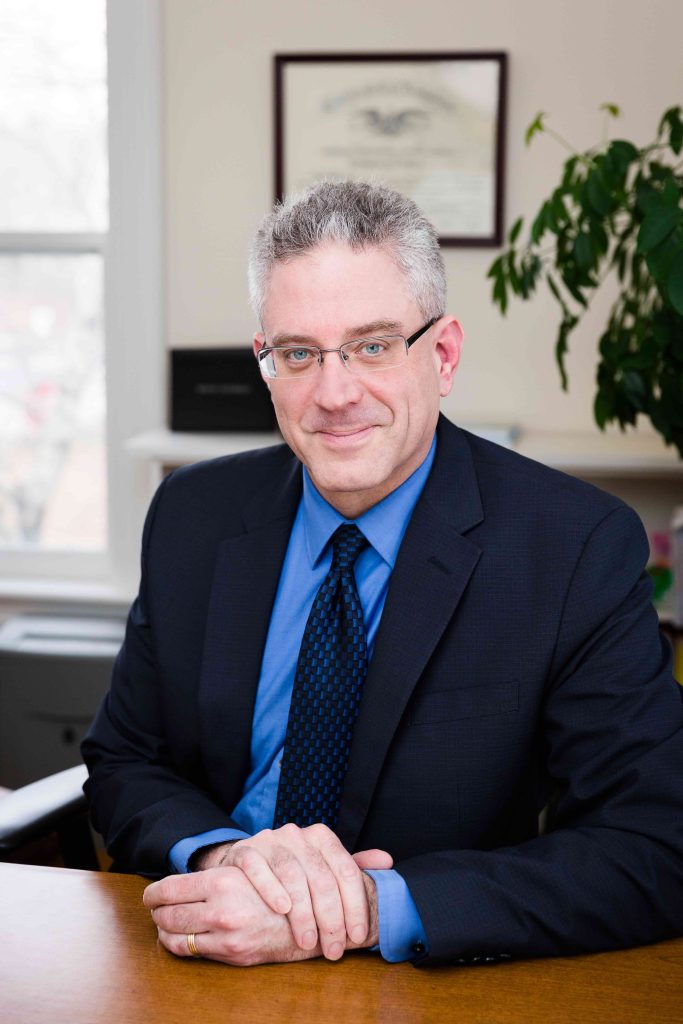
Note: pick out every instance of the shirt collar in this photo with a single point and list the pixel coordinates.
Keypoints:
(383, 525)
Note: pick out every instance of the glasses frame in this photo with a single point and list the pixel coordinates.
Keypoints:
(322, 352)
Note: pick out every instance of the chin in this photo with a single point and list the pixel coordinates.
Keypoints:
(347, 479)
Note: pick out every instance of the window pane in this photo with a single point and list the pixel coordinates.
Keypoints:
(53, 115)
(52, 403)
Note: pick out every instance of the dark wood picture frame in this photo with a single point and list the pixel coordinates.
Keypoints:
(286, 60)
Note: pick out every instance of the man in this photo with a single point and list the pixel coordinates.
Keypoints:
(359, 665)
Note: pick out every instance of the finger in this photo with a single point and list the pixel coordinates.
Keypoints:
(328, 906)
(301, 917)
(350, 885)
(177, 944)
(188, 888)
(261, 876)
(375, 860)
(181, 919)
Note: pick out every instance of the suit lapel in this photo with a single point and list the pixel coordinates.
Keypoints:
(244, 586)
(432, 570)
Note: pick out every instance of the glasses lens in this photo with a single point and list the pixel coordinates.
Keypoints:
(289, 361)
(375, 353)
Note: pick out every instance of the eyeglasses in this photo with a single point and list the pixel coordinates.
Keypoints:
(364, 355)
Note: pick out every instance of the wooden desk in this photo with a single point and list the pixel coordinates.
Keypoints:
(79, 948)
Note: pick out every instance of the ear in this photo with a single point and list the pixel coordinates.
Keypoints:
(259, 341)
(447, 348)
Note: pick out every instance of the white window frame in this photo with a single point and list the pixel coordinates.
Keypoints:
(135, 356)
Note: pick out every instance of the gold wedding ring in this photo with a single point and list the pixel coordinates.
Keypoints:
(192, 945)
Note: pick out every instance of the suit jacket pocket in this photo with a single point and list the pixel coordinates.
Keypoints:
(468, 702)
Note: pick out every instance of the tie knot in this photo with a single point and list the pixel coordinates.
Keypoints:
(347, 543)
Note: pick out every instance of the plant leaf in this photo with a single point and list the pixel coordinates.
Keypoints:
(598, 237)
(598, 194)
(602, 409)
(671, 193)
(623, 151)
(675, 284)
(568, 324)
(634, 389)
(672, 119)
(647, 197)
(660, 258)
(659, 223)
(556, 291)
(539, 225)
(495, 268)
(611, 108)
(583, 248)
(535, 127)
(515, 230)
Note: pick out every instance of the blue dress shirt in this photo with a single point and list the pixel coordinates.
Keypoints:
(307, 562)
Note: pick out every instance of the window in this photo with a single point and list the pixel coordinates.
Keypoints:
(53, 222)
(81, 350)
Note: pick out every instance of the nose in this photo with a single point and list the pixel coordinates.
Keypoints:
(335, 386)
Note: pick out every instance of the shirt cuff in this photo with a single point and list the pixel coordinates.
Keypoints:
(179, 854)
(401, 932)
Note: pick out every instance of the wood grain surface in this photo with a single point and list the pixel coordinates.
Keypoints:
(79, 948)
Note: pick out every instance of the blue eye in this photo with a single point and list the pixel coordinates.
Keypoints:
(298, 355)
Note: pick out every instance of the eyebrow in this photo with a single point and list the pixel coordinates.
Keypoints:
(361, 331)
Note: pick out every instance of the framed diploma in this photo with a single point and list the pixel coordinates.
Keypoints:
(431, 125)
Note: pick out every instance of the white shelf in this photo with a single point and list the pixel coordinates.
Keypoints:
(610, 454)
(174, 448)
(604, 455)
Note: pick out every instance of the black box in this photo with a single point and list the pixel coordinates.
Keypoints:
(219, 389)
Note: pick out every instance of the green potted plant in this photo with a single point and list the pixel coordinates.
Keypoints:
(618, 209)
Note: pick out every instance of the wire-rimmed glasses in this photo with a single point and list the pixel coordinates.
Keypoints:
(360, 356)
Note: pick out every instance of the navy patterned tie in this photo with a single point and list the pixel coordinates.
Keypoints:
(329, 679)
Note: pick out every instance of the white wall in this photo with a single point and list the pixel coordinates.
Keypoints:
(565, 58)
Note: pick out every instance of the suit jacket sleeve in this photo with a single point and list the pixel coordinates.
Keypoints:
(608, 873)
(140, 802)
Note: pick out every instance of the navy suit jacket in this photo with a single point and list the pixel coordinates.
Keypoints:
(518, 663)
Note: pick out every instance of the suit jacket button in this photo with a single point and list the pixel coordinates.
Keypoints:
(418, 948)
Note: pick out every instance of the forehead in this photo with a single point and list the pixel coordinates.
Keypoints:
(333, 287)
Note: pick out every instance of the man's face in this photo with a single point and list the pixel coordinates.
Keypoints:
(360, 437)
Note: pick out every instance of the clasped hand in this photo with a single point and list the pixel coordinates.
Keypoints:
(285, 894)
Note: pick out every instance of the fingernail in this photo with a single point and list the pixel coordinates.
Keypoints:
(282, 905)
(310, 939)
(335, 951)
(358, 933)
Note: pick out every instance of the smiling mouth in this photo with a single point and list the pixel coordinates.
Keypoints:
(347, 431)
(346, 435)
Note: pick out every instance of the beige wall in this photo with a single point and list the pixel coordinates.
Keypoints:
(565, 58)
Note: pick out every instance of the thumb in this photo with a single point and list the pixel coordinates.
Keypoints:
(373, 859)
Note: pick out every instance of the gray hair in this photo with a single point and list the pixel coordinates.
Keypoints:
(358, 214)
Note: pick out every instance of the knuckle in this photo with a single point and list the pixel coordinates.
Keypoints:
(220, 920)
(319, 831)
(289, 872)
(246, 858)
(175, 944)
(300, 901)
(290, 830)
(325, 883)
(349, 870)
(240, 917)
(233, 946)
(223, 883)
